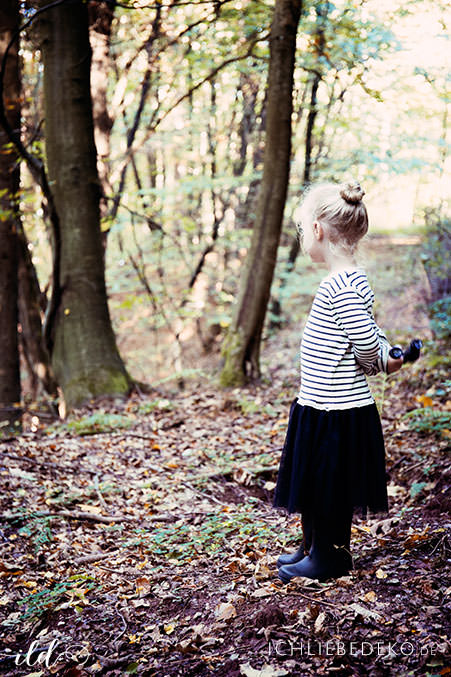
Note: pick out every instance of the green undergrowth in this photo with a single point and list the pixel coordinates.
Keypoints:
(72, 592)
(38, 530)
(100, 421)
(426, 420)
(251, 406)
(208, 535)
(433, 415)
(160, 404)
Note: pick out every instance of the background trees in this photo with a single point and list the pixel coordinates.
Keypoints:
(179, 119)
(241, 348)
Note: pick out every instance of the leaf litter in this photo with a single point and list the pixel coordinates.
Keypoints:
(149, 547)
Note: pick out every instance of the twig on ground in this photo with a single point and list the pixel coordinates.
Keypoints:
(98, 492)
(319, 601)
(34, 461)
(94, 557)
(87, 516)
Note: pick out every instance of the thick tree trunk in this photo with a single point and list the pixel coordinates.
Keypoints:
(85, 358)
(241, 348)
(10, 412)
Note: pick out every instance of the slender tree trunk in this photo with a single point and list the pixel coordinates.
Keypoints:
(246, 211)
(241, 348)
(276, 307)
(322, 10)
(321, 16)
(85, 358)
(248, 88)
(10, 412)
(32, 304)
(146, 85)
(313, 112)
(101, 17)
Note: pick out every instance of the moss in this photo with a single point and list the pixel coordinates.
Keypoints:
(232, 373)
(103, 382)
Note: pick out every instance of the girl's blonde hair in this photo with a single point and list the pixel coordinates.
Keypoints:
(340, 208)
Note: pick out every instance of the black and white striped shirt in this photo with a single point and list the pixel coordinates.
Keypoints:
(341, 343)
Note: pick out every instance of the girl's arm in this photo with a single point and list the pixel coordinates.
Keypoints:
(369, 343)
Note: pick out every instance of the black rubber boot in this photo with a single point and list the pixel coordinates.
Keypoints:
(329, 555)
(304, 547)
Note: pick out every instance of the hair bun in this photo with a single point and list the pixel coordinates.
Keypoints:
(352, 192)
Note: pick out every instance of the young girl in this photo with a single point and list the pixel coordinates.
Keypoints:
(333, 461)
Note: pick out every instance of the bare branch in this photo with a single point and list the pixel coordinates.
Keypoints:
(207, 78)
(145, 88)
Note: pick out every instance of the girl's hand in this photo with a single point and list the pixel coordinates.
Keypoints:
(393, 364)
(397, 357)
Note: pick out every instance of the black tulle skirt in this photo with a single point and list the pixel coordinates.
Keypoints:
(332, 461)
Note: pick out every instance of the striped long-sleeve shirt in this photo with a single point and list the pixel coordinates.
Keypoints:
(341, 343)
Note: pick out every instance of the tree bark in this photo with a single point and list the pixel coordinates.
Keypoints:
(241, 348)
(10, 412)
(313, 112)
(32, 304)
(85, 358)
(309, 163)
(101, 17)
(322, 10)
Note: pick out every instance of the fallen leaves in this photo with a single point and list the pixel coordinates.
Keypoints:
(319, 622)
(381, 574)
(224, 611)
(414, 539)
(367, 614)
(369, 596)
(186, 578)
(425, 400)
(143, 585)
(265, 671)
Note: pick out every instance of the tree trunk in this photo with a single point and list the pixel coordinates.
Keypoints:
(313, 112)
(101, 17)
(32, 303)
(85, 358)
(276, 306)
(322, 10)
(10, 412)
(321, 17)
(241, 348)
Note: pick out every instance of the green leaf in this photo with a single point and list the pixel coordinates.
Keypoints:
(417, 488)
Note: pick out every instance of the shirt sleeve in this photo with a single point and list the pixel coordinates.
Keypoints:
(369, 343)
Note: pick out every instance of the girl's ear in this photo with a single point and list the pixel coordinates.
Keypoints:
(318, 231)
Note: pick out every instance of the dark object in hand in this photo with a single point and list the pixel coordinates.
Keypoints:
(411, 354)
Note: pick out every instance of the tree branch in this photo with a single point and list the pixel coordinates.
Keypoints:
(145, 87)
(153, 125)
(92, 517)
(171, 41)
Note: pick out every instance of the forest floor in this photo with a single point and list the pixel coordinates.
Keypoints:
(138, 537)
